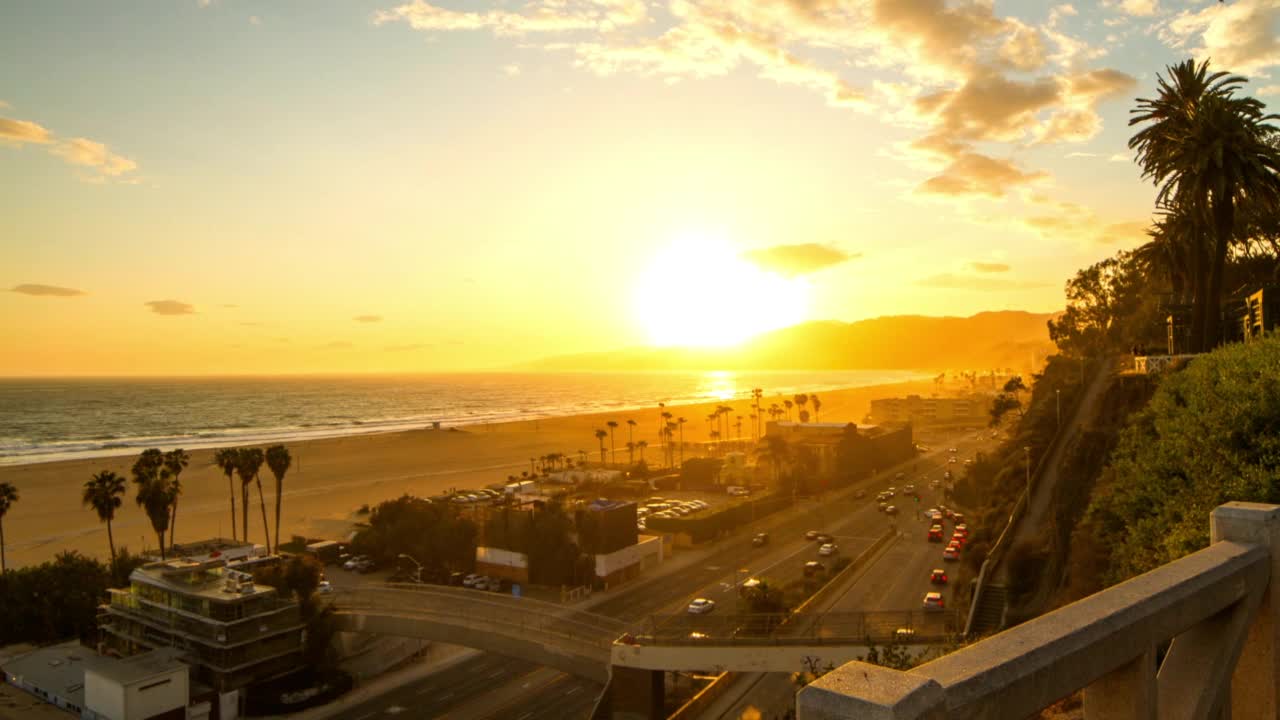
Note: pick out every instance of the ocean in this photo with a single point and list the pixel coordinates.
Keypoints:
(42, 420)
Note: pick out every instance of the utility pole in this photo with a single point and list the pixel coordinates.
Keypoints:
(1057, 394)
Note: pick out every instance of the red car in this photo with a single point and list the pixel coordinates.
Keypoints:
(938, 577)
(935, 533)
(957, 540)
(951, 553)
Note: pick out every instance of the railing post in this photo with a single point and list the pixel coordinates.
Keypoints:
(870, 692)
(1126, 693)
(1253, 685)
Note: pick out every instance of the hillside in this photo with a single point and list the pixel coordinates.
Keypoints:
(987, 340)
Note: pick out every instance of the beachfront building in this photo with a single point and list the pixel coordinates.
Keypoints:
(151, 685)
(967, 411)
(233, 632)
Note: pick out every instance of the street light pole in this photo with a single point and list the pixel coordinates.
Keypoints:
(1057, 395)
(417, 574)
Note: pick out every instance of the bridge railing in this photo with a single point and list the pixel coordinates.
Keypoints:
(517, 617)
(831, 628)
(1210, 619)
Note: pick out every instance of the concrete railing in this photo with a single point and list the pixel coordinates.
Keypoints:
(1197, 638)
(547, 634)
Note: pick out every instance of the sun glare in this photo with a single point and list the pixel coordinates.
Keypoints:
(699, 292)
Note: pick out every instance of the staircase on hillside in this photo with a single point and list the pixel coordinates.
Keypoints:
(989, 615)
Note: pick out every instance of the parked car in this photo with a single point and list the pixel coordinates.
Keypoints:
(470, 580)
(938, 577)
(760, 540)
(828, 549)
(933, 601)
(701, 606)
(352, 563)
(366, 566)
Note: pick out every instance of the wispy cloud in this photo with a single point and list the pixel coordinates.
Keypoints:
(953, 281)
(989, 267)
(78, 151)
(39, 290)
(170, 307)
(800, 259)
(23, 131)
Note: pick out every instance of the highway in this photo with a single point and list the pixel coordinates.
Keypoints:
(490, 686)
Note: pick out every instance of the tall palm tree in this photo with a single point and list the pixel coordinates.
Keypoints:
(788, 405)
(631, 427)
(631, 453)
(154, 493)
(600, 436)
(175, 461)
(613, 452)
(662, 409)
(680, 425)
(756, 395)
(641, 445)
(104, 493)
(802, 400)
(8, 496)
(738, 427)
(1208, 148)
(225, 459)
(248, 463)
(279, 460)
(817, 405)
(667, 433)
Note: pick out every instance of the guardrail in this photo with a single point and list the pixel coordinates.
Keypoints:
(772, 629)
(1216, 611)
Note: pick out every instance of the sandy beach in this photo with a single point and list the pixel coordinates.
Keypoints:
(331, 478)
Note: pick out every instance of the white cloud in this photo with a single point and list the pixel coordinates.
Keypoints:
(1242, 36)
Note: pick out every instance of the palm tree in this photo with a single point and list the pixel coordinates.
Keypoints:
(8, 496)
(1207, 148)
(175, 461)
(262, 500)
(817, 405)
(631, 427)
(641, 447)
(613, 452)
(279, 460)
(788, 405)
(104, 493)
(248, 463)
(802, 400)
(225, 459)
(662, 409)
(738, 427)
(680, 425)
(667, 433)
(600, 436)
(631, 453)
(756, 395)
(154, 493)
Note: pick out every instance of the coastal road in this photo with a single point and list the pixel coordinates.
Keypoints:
(489, 686)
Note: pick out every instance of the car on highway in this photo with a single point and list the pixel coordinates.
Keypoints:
(962, 529)
(957, 539)
(938, 576)
(324, 587)
(933, 601)
(951, 553)
(951, 461)
(813, 567)
(908, 489)
(958, 518)
(760, 540)
(935, 533)
(904, 634)
(828, 549)
(952, 450)
(739, 491)
(701, 606)
(891, 510)
(824, 538)
(882, 505)
(859, 493)
(811, 535)
(890, 492)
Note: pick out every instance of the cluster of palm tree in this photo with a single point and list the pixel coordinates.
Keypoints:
(158, 485)
(1213, 154)
(246, 464)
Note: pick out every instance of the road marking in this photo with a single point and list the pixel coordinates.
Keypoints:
(575, 689)
(366, 716)
(494, 674)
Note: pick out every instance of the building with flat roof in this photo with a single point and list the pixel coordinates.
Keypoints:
(968, 411)
(234, 632)
(154, 685)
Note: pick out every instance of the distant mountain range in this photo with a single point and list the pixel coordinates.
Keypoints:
(1011, 338)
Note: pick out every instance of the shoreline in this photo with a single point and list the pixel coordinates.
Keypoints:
(331, 477)
(220, 437)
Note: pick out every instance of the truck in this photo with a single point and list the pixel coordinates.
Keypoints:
(326, 551)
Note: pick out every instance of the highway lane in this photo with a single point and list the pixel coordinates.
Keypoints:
(458, 691)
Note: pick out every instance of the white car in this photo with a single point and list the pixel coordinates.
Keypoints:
(828, 549)
(701, 606)
(470, 580)
(353, 563)
(324, 587)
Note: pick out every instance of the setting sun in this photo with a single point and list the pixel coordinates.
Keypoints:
(699, 292)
